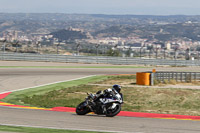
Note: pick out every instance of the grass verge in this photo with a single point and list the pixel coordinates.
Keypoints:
(18, 129)
(150, 100)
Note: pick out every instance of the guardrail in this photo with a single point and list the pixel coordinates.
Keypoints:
(95, 59)
(178, 76)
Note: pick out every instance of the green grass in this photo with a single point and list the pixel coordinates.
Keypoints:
(67, 97)
(162, 100)
(73, 67)
(136, 99)
(19, 129)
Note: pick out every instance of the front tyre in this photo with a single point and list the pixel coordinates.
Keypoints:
(82, 109)
(113, 111)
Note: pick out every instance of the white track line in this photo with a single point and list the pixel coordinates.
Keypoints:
(48, 84)
(80, 129)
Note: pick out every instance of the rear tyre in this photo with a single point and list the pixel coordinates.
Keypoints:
(82, 109)
(113, 112)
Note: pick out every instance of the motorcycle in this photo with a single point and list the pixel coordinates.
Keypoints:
(110, 108)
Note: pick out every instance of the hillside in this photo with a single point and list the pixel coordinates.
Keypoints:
(69, 35)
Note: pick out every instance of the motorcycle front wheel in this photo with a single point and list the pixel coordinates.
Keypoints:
(114, 111)
(82, 109)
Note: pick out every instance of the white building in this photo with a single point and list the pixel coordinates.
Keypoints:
(168, 46)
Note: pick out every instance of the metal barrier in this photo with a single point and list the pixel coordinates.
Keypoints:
(95, 59)
(178, 76)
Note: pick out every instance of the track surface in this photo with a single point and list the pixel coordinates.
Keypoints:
(17, 78)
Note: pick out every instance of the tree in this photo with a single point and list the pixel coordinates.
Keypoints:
(112, 52)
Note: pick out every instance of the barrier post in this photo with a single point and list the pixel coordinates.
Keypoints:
(152, 76)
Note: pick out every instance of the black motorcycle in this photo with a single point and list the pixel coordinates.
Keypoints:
(111, 107)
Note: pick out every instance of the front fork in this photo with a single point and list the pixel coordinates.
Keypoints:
(90, 105)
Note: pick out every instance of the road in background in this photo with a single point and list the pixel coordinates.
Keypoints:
(17, 78)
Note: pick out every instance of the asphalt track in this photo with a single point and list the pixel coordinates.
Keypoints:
(17, 78)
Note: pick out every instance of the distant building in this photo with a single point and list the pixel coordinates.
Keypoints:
(120, 42)
(135, 45)
(168, 46)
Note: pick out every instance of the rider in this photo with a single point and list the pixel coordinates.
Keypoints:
(109, 95)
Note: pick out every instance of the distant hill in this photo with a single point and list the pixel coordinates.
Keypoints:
(55, 17)
(69, 34)
(116, 31)
(161, 32)
(162, 28)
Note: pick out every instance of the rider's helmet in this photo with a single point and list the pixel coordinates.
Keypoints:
(117, 88)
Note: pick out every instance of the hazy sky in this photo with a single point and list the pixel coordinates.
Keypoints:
(137, 7)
